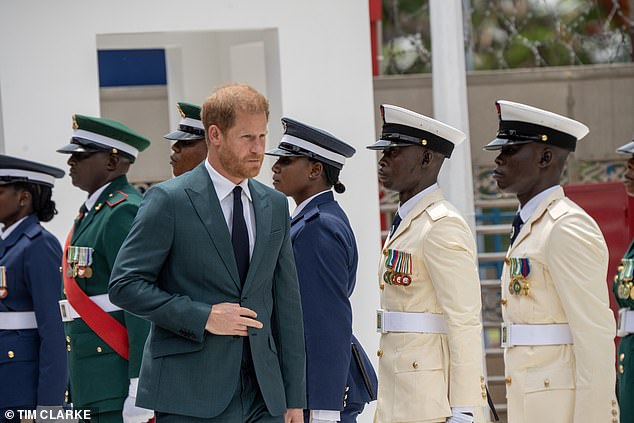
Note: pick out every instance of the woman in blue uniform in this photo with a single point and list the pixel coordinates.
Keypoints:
(624, 293)
(32, 348)
(340, 379)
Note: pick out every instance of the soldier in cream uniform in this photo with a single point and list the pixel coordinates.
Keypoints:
(558, 329)
(430, 356)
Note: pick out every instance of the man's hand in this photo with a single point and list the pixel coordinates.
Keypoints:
(294, 415)
(231, 319)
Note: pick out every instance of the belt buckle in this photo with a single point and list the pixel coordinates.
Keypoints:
(620, 331)
(505, 333)
(380, 322)
(64, 308)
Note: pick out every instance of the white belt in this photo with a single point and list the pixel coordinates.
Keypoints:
(526, 335)
(626, 322)
(16, 320)
(398, 321)
(69, 313)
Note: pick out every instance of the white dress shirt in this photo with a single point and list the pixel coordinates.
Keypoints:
(224, 191)
(407, 206)
(92, 198)
(529, 208)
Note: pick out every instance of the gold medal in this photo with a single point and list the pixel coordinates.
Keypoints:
(387, 277)
(623, 291)
(75, 271)
(515, 287)
(3, 293)
(526, 287)
(407, 280)
(631, 291)
(69, 271)
(88, 272)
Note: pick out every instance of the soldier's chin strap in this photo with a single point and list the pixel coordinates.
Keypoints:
(491, 405)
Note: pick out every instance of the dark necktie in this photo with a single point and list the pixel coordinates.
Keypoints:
(397, 221)
(82, 212)
(517, 225)
(240, 235)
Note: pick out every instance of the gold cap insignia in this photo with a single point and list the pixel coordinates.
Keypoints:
(180, 111)
(75, 126)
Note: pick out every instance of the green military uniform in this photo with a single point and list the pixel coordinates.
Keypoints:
(100, 376)
(625, 360)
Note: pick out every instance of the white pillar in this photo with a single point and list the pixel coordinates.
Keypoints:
(450, 100)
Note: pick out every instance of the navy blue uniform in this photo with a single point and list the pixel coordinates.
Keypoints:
(33, 368)
(339, 375)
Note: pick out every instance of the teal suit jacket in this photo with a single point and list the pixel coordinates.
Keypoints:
(175, 264)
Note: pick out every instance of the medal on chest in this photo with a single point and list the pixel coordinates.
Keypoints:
(624, 278)
(3, 282)
(79, 260)
(398, 266)
(519, 269)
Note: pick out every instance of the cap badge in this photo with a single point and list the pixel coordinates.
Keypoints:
(180, 111)
(75, 126)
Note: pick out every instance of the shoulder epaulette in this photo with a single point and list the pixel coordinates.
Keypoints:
(557, 210)
(116, 197)
(437, 211)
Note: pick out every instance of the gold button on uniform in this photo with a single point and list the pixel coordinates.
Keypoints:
(11, 354)
(546, 383)
(507, 380)
(621, 368)
(68, 339)
(379, 353)
(347, 388)
(622, 357)
(503, 301)
(507, 260)
(613, 403)
(415, 365)
(382, 286)
(385, 252)
(68, 347)
(614, 412)
(99, 349)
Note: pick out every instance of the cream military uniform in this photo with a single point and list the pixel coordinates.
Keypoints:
(422, 375)
(565, 285)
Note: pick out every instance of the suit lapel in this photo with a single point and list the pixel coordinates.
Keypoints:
(205, 202)
(537, 214)
(419, 208)
(263, 214)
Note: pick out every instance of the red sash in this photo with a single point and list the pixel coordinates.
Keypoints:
(109, 329)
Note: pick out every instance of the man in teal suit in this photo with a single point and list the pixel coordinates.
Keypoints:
(209, 262)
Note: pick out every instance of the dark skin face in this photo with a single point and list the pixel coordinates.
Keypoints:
(528, 169)
(629, 177)
(91, 171)
(187, 155)
(408, 170)
(14, 204)
(298, 177)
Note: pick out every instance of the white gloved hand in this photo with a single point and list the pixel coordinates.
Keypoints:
(131, 413)
(459, 415)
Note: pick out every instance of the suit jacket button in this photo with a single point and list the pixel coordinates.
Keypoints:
(507, 380)
(99, 349)
(379, 353)
(11, 354)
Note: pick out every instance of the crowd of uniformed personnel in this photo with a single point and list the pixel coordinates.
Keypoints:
(205, 301)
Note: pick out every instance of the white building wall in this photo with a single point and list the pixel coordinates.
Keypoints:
(318, 70)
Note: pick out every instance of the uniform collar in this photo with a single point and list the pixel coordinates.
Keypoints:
(6, 232)
(409, 205)
(92, 198)
(529, 208)
(224, 186)
(304, 203)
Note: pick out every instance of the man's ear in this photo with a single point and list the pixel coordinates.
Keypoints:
(546, 158)
(113, 161)
(427, 159)
(214, 135)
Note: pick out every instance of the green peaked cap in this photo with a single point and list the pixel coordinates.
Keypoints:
(188, 110)
(190, 128)
(109, 130)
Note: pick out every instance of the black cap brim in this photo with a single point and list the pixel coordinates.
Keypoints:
(279, 152)
(627, 148)
(78, 148)
(385, 144)
(183, 136)
(498, 143)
